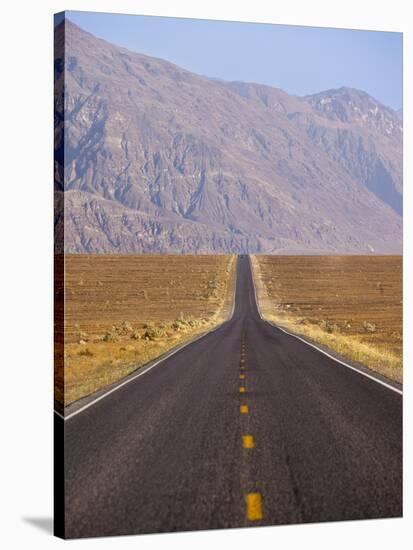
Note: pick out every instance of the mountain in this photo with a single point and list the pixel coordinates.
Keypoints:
(155, 158)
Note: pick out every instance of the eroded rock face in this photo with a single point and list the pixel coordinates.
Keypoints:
(157, 159)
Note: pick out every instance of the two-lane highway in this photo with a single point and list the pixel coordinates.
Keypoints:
(246, 426)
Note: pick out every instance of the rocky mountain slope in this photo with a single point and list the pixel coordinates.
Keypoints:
(158, 159)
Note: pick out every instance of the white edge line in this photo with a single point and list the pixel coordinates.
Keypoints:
(147, 369)
(385, 384)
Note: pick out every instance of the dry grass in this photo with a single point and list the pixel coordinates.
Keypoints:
(352, 304)
(123, 311)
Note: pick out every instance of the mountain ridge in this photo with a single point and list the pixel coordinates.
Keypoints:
(158, 159)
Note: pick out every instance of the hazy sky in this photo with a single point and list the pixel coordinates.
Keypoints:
(300, 60)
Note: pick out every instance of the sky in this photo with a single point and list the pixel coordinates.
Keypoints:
(300, 60)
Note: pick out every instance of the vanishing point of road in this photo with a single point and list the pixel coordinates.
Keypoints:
(246, 426)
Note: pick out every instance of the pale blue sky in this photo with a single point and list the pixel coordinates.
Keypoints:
(300, 60)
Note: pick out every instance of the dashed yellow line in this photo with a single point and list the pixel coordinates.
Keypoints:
(253, 501)
(248, 442)
(254, 506)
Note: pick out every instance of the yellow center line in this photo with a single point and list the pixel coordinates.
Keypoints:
(254, 506)
(248, 442)
(253, 501)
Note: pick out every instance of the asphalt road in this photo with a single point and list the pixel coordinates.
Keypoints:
(169, 452)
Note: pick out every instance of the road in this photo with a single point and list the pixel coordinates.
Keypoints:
(247, 426)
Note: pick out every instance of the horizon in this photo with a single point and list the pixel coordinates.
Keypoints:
(140, 34)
